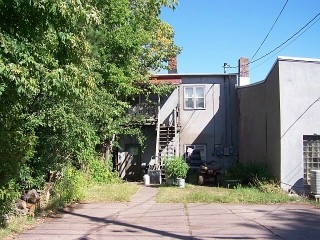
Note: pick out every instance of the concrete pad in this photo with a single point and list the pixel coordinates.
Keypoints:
(143, 218)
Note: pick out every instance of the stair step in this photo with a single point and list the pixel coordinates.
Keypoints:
(166, 145)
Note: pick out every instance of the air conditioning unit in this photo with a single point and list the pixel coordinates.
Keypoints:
(315, 181)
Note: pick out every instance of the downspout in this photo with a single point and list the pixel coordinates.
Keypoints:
(175, 132)
(158, 134)
(225, 112)
(230, 113)
(179, 106)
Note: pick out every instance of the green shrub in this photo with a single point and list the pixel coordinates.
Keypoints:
(256, 176)
(27, 180)
(8, 195)
(72, 186)
(249, 173)
(99, 173)
(11, 191)
(176, 167)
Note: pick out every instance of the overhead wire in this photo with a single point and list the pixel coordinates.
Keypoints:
(287, 39)
(287, 44)
(294, 37)
(270, 30)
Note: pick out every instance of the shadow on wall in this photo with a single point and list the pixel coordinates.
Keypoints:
(220, 133)
(299, 188)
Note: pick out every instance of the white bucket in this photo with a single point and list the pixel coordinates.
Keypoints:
(146, 180)
(181, 182)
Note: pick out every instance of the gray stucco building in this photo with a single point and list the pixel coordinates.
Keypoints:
(200, 113)
(274, 122)
(279, 121)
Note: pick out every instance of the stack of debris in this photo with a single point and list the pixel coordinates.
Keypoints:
(27, 203)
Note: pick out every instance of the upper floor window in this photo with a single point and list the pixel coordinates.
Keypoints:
(194, 97)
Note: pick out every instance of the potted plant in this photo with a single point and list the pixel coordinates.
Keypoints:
(176, 168)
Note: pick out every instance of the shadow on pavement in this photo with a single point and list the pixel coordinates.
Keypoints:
(115, 222)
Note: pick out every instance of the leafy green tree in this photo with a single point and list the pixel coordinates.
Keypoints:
(131, 43)
(67, 69)
(43, 53)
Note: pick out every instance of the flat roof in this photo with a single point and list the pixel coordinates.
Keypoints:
(192, 74)
(281, 58)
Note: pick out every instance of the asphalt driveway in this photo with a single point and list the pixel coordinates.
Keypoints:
(143, 218)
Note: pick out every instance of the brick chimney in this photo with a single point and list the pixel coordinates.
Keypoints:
(243, 71)
(172, 64)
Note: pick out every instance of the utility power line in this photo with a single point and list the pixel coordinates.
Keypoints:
(294, 37)
(286, 45)
(269, 30)
(287, 39)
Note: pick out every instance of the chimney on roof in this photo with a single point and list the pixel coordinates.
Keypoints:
(172, 64)
(243, 71)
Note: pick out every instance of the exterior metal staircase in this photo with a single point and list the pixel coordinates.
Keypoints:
(166, 141)
(167, 145)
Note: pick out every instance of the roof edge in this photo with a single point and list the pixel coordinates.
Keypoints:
(193, 74)
(298, 59)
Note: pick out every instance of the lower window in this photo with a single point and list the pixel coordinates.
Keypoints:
(195, 154)
(311, 156)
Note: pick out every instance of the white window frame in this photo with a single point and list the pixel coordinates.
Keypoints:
(193, 98)
(201, 147)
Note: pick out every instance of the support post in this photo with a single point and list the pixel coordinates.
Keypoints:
(157, 163)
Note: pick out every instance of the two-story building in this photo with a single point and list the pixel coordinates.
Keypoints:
(200, 113)
(274, 122)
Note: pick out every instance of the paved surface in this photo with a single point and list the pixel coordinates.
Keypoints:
(142, 218)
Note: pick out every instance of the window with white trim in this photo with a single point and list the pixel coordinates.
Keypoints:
(194, 97)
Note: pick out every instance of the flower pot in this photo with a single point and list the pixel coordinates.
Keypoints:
(181, 182)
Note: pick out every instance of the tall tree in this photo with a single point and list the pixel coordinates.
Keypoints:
(66, 69)
(132, 42)
(43, 62)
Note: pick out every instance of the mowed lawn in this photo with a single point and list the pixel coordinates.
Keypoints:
(208, 194)
(123, 192)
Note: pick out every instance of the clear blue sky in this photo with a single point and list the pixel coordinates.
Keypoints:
(214, 32)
